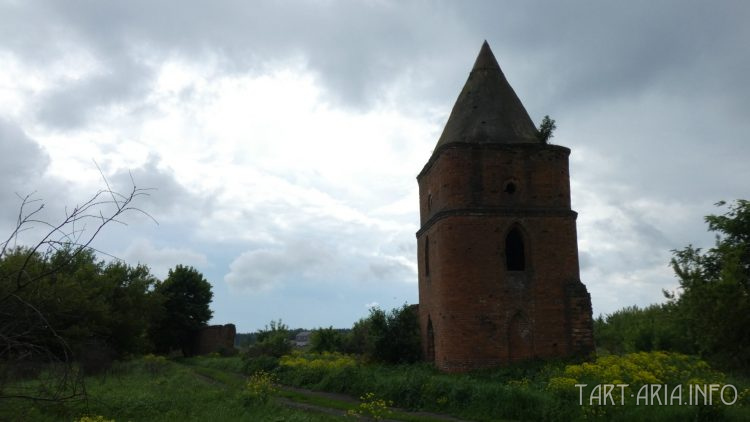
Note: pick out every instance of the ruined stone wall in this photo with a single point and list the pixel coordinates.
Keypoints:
(483, 315)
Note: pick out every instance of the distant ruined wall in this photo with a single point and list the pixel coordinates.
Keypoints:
(214, 338)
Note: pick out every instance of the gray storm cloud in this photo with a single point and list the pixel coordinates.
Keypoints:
(651, 97)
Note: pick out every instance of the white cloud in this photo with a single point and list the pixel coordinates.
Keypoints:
(283, 140)
(265, 268)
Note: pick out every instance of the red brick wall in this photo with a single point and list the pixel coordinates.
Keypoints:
(479, 309)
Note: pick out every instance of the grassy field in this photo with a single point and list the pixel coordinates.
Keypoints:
(159, 390)
(220, 389)
(534, 391)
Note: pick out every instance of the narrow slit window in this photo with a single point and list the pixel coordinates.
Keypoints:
(515, 258)
(427, 256)
(430, 341)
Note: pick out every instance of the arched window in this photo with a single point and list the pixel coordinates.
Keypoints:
(515, 258)
(427, 256)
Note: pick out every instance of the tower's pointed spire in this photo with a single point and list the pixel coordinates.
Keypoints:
(485, 60)
(487, 109)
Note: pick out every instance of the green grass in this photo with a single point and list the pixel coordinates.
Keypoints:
(224, 370)
(231, 364)
(212, 388)
(141, 391)
(330, 403)
(419, 387)
(521, 392)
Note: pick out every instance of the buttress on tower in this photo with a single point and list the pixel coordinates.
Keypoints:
(497, 248)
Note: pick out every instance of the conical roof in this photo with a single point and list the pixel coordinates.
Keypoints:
(488, 110)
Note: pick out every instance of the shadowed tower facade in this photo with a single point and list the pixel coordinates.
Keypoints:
(497, 248)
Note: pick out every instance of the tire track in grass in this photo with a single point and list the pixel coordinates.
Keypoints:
(316, 401)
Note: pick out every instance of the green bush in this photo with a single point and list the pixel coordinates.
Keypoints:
(71, 296)
(259, 388)
(372, 407)
(259, 363)
(272, 341)
(391, 337)
(633, 329)
(154, 364)
(326, 340)
(94, 418)
(714, 305)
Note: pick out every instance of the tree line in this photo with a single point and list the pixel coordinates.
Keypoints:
(383, 336)
(88, 307)
(709, 315)
(65, 313)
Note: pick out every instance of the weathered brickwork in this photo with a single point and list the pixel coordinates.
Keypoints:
(498, 255)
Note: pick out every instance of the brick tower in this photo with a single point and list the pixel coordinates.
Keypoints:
(497, 248)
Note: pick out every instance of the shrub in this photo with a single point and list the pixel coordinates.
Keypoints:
(371, 407)
(154, 364)
(326, 340)
(637, 369)
(391, 337)
(272, 341)
(634, 329)
(323, 360)
(96, 418)
(259, 388)
(259, 363)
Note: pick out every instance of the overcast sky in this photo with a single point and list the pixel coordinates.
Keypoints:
(283, 138)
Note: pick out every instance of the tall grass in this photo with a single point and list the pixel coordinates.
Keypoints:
(535, 391)
(155, 389)
(420, 387)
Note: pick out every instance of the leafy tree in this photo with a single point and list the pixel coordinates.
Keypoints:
(133, 306)
(356, 340)
(96, 308)
(246, 339)
(326, 340)
(272, 341)
(391, 337)
(546, 128)
(634, 329)
(186, 296)
(715, 300)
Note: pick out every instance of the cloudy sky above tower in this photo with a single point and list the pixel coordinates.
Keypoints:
(282, 139)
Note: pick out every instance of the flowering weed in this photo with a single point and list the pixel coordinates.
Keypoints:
(372, 407)
(325, 360)
(259, 388)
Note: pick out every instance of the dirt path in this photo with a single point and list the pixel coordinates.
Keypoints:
(343, 398)
(352, 400)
